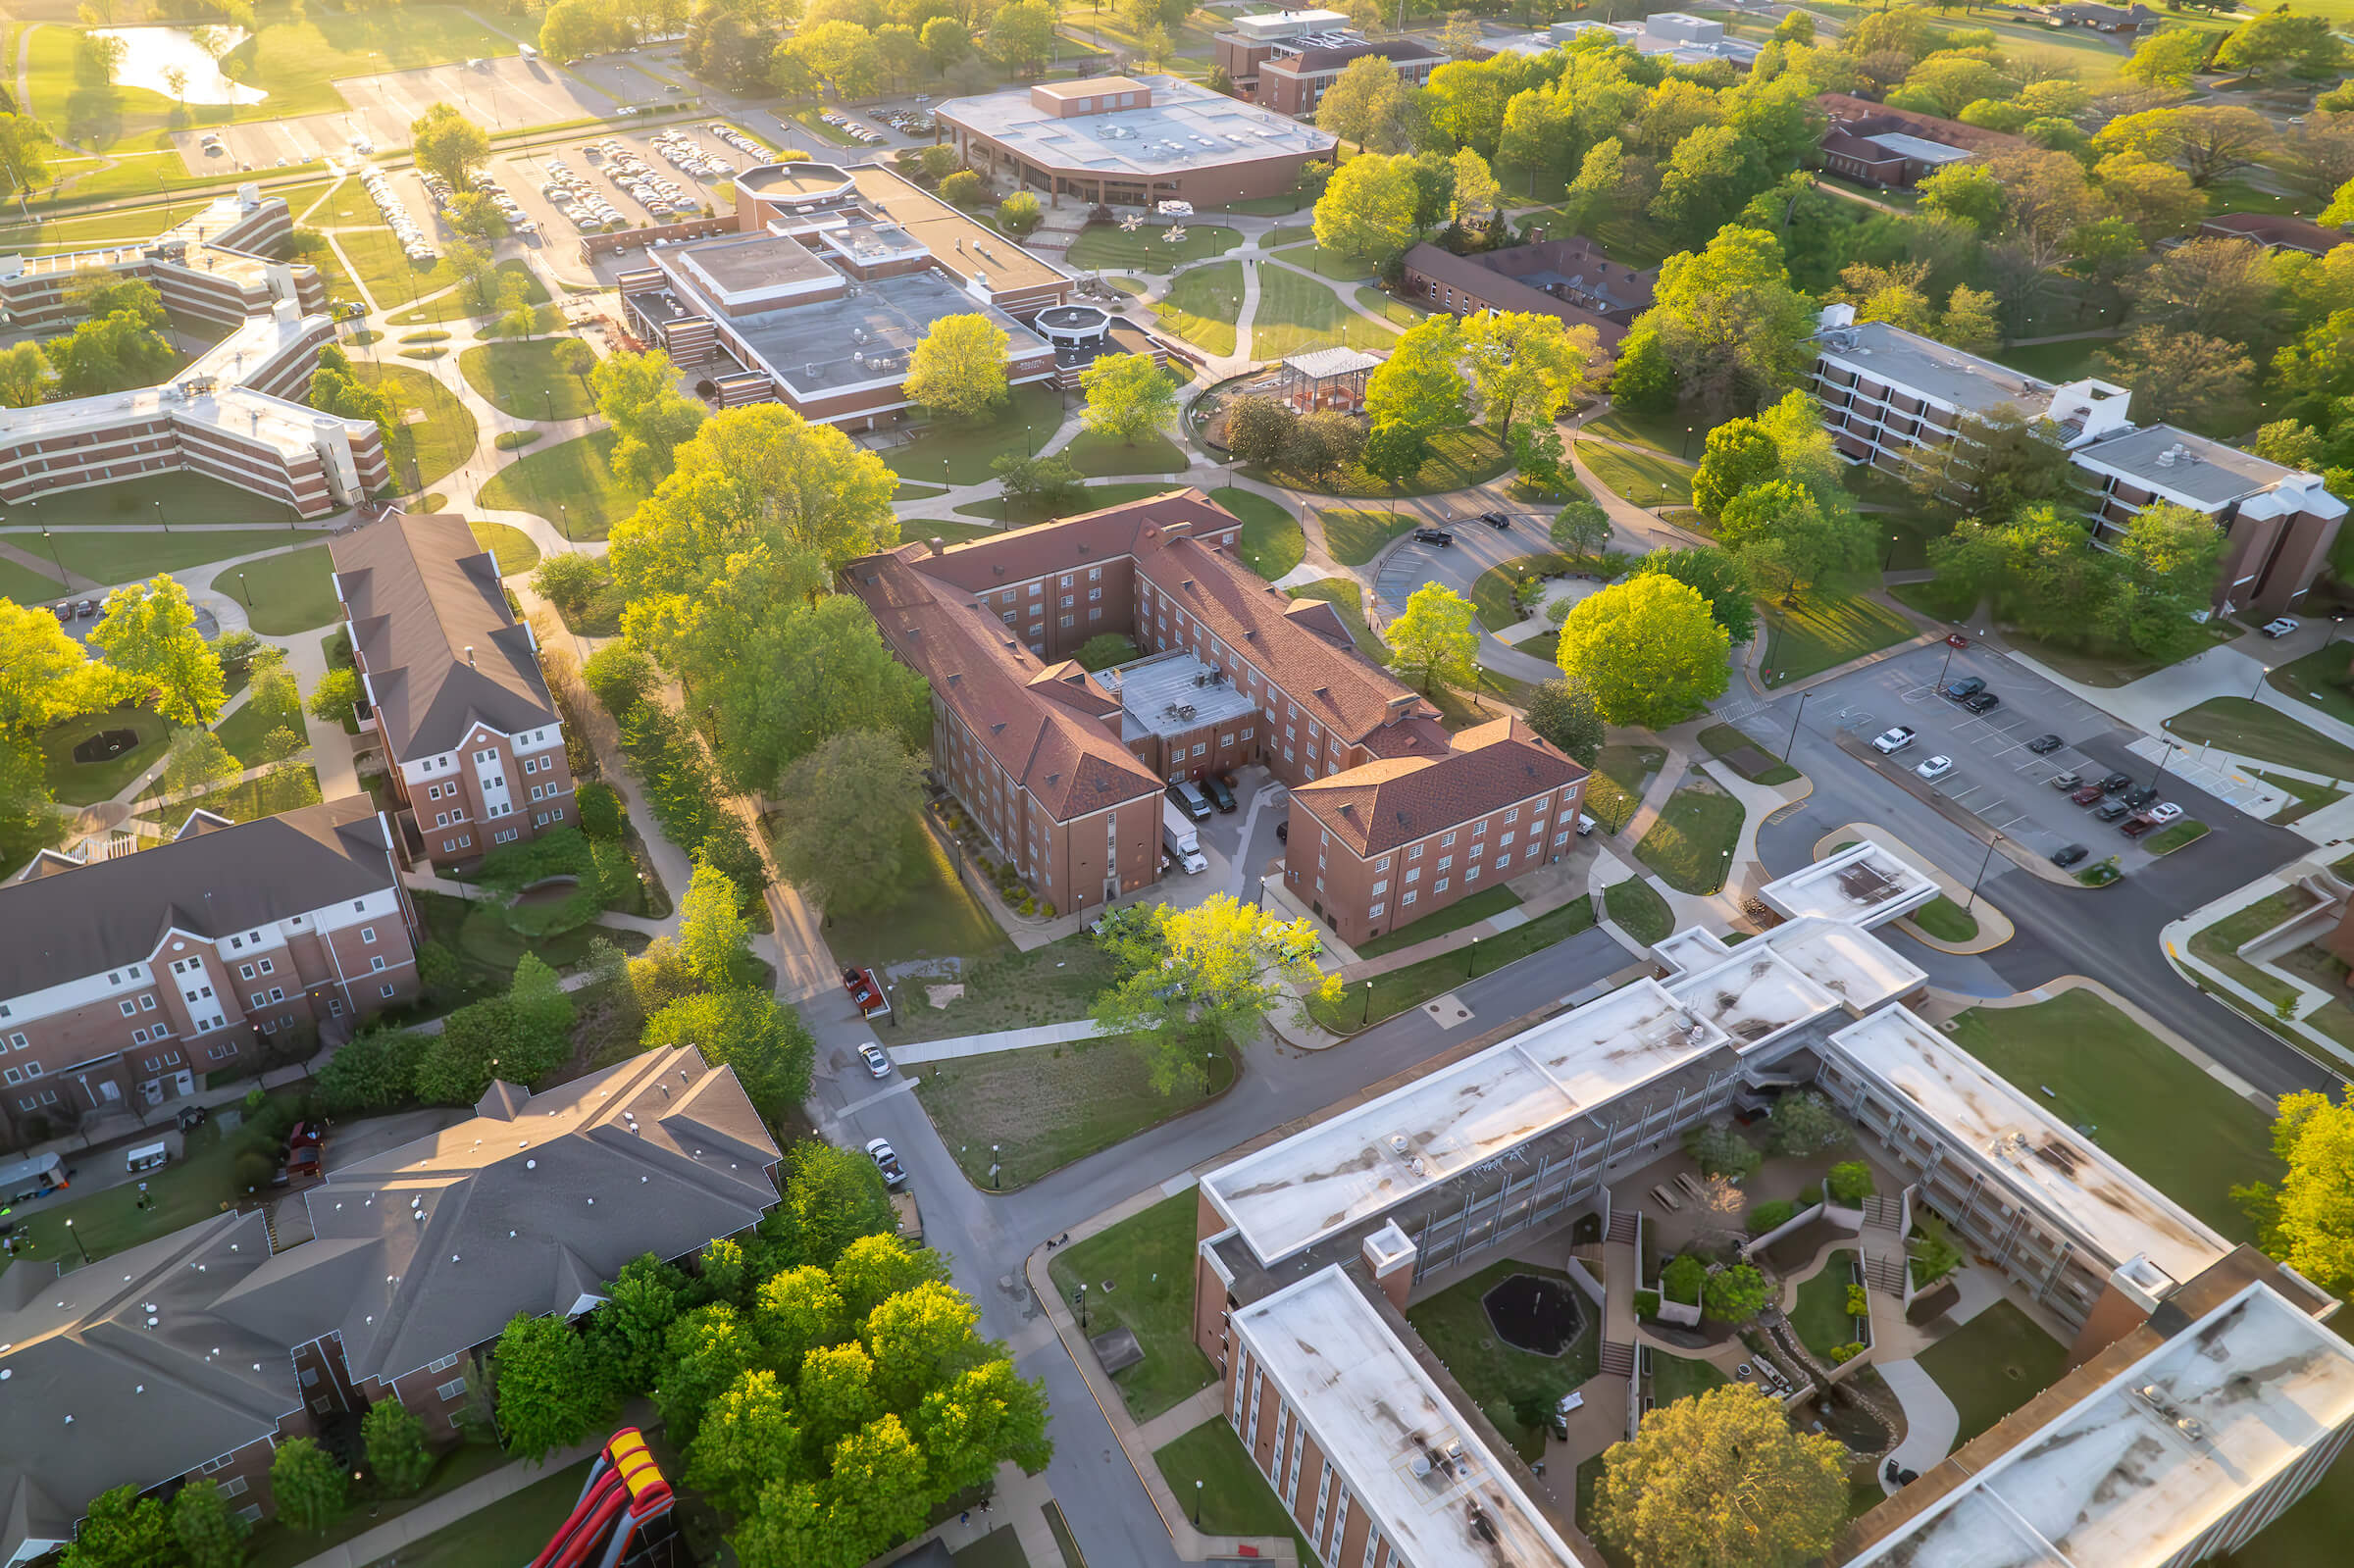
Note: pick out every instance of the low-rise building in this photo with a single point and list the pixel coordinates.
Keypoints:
(2273, 232)
(1571, 279)
(1294, 77)
(218, 266)
(2107, 19)
(1674, 35)
(1249, 41)
(192, 1356)
(453, 687)
(130, 979)
(1894, 149)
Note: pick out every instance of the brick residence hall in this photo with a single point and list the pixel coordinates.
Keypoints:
(1063, 769)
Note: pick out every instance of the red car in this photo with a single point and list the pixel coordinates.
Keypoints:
(2086, 795)
(1955, 639)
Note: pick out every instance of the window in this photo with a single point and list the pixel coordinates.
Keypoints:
(257, 1000)
(1248, 733)
(1408, 899)
(277, 993)
(245, 972)
(1375, 912)
(1383, 864)
(1444, 840)
(1382, 886)
(1471, 873)
(1201, 747)
(452, 1388)
(138, 1037)
(366, 933)
(220, 1053)
(385, 991)
(32, 1069)
(1505, 839)
(1444, 862)
(1512, 815)
(1479, 830)
(376, 965)
(1413, 874)
(129, 1008)
(1414, 853)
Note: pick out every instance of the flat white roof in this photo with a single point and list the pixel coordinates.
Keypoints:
(1918, 148)
(2156, 1455)
(1851, 967)
(1377, 1416)
(1185, 127)
(1927, 368)
(2066, 1179)
(1863, 885)
(1753, 992)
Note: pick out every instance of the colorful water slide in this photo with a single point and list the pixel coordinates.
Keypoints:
(624, 1497)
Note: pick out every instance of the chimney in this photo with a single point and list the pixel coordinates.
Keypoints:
(470, 655)
(939, 545)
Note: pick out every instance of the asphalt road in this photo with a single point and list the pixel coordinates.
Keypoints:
(988, 1237)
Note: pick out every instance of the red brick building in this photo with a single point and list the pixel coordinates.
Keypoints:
(1294, 77)
(453, 686)
(1893, 148)
(129, 979)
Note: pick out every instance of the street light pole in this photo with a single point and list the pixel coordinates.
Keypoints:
(77, 1243)
(1972, 899)
(1472, 966)
(1368, 1017)
(1082, 1301)
(1198, 1488)
(1794, 718)
(2164, 758)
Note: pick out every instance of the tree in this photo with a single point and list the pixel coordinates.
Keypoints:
(2211, 286)
(1368, 209)
(1583, 529)
(1721, 1153)
(1648, 649)
(396, 1452)
(1370, 105)
(946, 41)
(568, 580)
(958, 368)
(1785, 536)
(2304, 1218)
(2167, 58)
(46, 676)
(194, 762)
(1021, 34)
(1020, 213)
(1727, 322)
(1563, 715)
(1323, 443)
(1804, 1125)
(1436, 638)
(2003, 460)
(1965, 194)
(1419, 387)
(1716, 575)
(747, 1437)
(24, 154)
(1736, 455)
(1522, 362)
(769, 1048)
(26, 377)
(1225, 965)
(1259, 428)
(208, 1532)
(847, 843)
(2207, 142)
(831, 1197)
(1722, 1477)
(2180, 377)
(1127, 396)
(308, 1485)
(2291, 444)
(448, 144)
(1710, 178)
(110, 353)
(963, 188)
(638, 395)
(1735, 1294)
(2278, 44)
(335, 694)
(550, 1389)
(715, 940)
(123, 1530)
(1394, 454)
(2157, 198)
(570, 29)
(148, 632)
(1049, 485)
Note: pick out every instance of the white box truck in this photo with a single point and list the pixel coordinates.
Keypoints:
(1178, 838)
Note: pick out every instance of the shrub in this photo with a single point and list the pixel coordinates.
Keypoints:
(1019, 212)
(1737, 1293)
(1934, 1256)
(376, 1072)
(1841, 1354)
(1647, 1306)
(1771, 1216)
(1858, 1305)
(619, 675)
(568, 580)
(437, 967)
(1722, 1152)
(963, 188)
(1682, 1280)
(251, 1170)
(1805, 1124)
(1850, 1184)
(600, 809)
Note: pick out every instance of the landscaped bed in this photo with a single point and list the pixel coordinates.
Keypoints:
(1415, 983)
(1515, 1388)
(1946, 920)
(1615, 788)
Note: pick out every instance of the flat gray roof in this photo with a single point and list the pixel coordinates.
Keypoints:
(742, 263)
(2192, 465)
(1186, 127)
(1168, 696)
(813, 347)
(1945, 375)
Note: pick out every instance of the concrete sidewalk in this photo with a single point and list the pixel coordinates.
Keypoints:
(439, 1513)
(957, 1046)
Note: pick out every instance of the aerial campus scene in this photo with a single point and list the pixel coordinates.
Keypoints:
(797, 782)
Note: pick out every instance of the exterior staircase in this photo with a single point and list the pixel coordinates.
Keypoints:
(1623, 1227)
(1617, 1360)
(1885, 1274)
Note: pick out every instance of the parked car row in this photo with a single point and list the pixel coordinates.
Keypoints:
(739, 140)
(688, 156)
(77, 611)
(851, 129)
(913, 122)
(578, 200)
(396, 214)
(659, 194)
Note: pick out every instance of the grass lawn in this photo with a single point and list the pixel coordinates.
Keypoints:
(513, 1530)
(512, 546)
(1043, 1107)
(1502, 1380)
(185, 498)
(935, 917)
(1723, 740)
(1615, 790)
(1346, 598)
(1492, 595)
(1459, 460)
(2188, 831)
(23, 584)
(2056, 363)
(1148, 1259)
(1939, 601)
(536, 379)
(570, 483)
(2146, 1103)
(1692, 842)
(1005, 987)
(2321, 679)
(291, 592)
(1664, 433)
(1992, 1365)
(2265, 733)
(1271, 542)
(1234, 1497)
(1104, 247)
(1825, 630)
(1639, 910)
(1820, 1315)
(1675, 1377)
(1416, 984)
(435, 434)
(967, 450)
(1455, 917)
(1356, 536)
(2096, 666)
(247, 802)
(1296, 312)
(80, 783)
(127, 556)
(1002, 1548)
(2220, 943)
(1326, 264)
(1097, 455)
(1638, 477)
(243, 731)
(1946, 920)
(279, 1544)
(1397, 311)
(487, 948)
(460, 305)
(1203, 306)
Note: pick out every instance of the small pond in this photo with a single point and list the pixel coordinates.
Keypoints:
(1532, 1313)
(148, 52)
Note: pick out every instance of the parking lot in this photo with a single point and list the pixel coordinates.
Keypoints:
(1995, 778)
(1477, 547)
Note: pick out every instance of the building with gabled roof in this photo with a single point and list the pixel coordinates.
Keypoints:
(453, 686)
(193, 1355)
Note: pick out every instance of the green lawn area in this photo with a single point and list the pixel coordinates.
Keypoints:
(1271, 542)
(1459, 459)
(1348, 600)
(1725, 741)
(512, 547)
(243, 731)
(1504, 1382)
(1323, 263)
(1665, 433)
(1296, 312)
(392, 279)
(511, 1531)
(437, 434)
(2305, 796)
(1043, 1107)
(1455, 917)
(2092, 663)
(1397, 311)
(1203, 306)
(2265, 733)
(1235, 1497)
(284, 593)
(2188, 831)
(570, 483)
(131, 503)
(1639, 910)
(1641, 477)
(277, 1544)
(1821, 1314)
(487, 948)
(1946, 920)
(2320, 678)
(248, 800)
(1692, 842)
(1355, 537)
(1416, 984)
(2315, 1530)
(124, 555)
(1675, 1377)
(2145, 1102)
(1492, 595)
(2056, 363)
(457, 305)
(960, 454)
(1097, 455)
(1615, 790)
(2220, 943)
(81, 783)
(1103, 247)
(1148, 1259)
(23, 586)
(533, 378)
(1825, 630)
(935, 917)
(1005, 987)
(1992, 1365)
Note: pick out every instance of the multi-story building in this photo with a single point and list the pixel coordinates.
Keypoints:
(1133, 141)
(218, 266)
(1673, 35)
(1293, 75)
(1570, 279)
(1233, 671)
(2273, 232)
(1890, 148)
(1247, 44)
(1894, 399)
(453, 687)
(130, 979)
(192, 1356)
(1312, 1247)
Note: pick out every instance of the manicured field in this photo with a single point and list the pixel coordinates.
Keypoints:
(133, 555)
(1297, 314)
(285, 594)
(960, 453)
(1104, 247)
(1043, 1107)
(1825, 630)
(1692, 842)
(437, 434)
(1992, 1365)
(2267, 735)
(1146, 1260)
(1272, 543)
(1203, 306)
(539, 379)
(571, 484)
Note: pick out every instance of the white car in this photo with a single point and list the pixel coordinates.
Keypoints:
(1888, 743)
(878, 1065)
(1936, 768)
(886, 1160)
(2280, 625)
(2164, 812)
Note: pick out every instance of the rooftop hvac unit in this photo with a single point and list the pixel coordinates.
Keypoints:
(857, 334)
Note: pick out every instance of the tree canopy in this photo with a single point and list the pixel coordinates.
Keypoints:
(1648, 649)
(1722, 1477)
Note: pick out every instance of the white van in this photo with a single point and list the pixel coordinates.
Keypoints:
(526, 51)
(1178, 838)
(146, 1157)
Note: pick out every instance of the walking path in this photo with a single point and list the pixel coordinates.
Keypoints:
(405, 1530)
(1012, 1040)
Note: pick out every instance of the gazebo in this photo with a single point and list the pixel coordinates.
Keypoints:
(1325, 379)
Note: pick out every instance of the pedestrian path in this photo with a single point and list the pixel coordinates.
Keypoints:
(959, 1046)
(383, 1544)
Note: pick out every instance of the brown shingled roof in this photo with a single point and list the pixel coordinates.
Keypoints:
(1384, 804)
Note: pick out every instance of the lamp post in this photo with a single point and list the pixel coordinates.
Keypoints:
(2165, 757)
(1080, 1296)
(1889, 560)
(1368, 1017)
(1687, 448)
(247, 591)
(564, 520)
(78, 1245)
(1967, 903)
(54, 556)
(1794, 718)
(160, 518)
(1472, 966)
(1198, 1501)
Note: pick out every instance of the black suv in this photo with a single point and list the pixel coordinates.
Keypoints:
(2117, 782)
(2139, 798)
(2110, 810)
(1496, 520)
(1981, 701)
(2042, 745)
(1438, 536)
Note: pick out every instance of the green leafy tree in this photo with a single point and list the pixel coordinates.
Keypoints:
(1563, 713)
(1583, 529)
(1802, 1125)
(1418, 387)
(1022, 33)
(26, 375)
(1367, 208)
(749, 1438)
(632, 1330)
(1525, 364)
(958, 368)
(1394, 454)
(798, 675)
(568, 580)
(2181, 377)
(1436, 638)
(1324, 443)
(1735, 1294)
(23, 155)
(2304, 1218)
(1020, 213)
(2167, 58)
(715, 940)
(831, 1197)
(1783, 536)
(1709, 179)
(1736, 455)
(123, 1530)
(1370, 104)
(2278, 44)
(848, 840)
(638, 395)
(551, 1388)
(768, 1045)
(1850, 1183)
(196, 761)
(1716, 575)
(1648, 649)
(334, 697)
(396, 1452)
(945, 41)
(1729, 323)
(1722, 1477)
(1127, 396)
(209, 1535)
(1260, 428)
(1226, 966)
(987, 1414)
(449, 144)
(1722, 1152)
(308, 1485)
(708, 1349)
(110, 353)
(148, 633)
